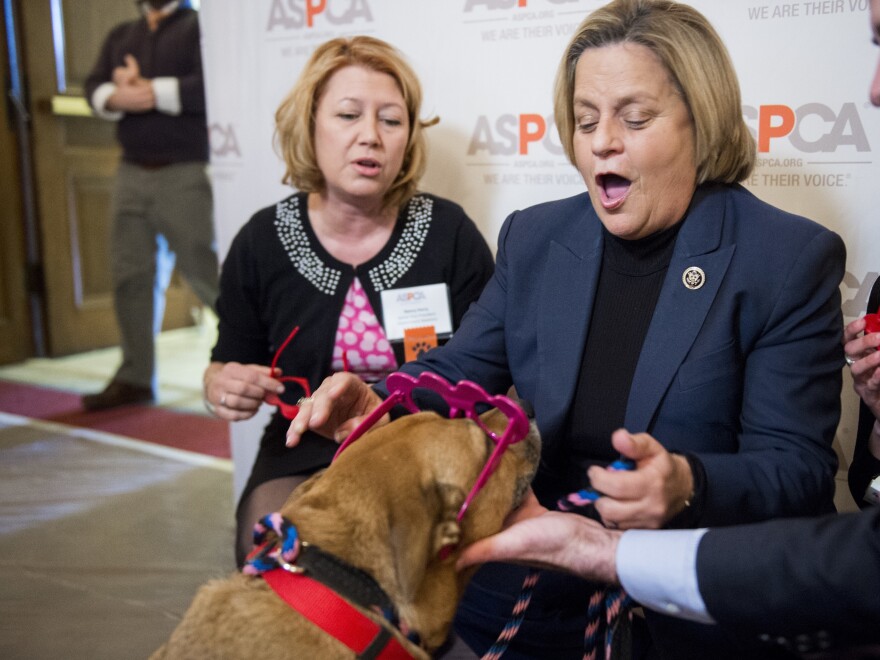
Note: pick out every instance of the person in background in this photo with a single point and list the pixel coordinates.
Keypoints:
(312, 284)
(860, 347)
(666, 300)
(148, 78)
(808, 585)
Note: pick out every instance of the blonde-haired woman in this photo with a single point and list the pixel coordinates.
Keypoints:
(301, 288)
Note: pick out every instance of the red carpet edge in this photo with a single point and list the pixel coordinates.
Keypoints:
(200, 434)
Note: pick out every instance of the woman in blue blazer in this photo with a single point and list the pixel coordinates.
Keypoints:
(665, 300)
(813, 583)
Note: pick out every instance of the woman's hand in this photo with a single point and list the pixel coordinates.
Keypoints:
(647, 497)
(862, 348)
(234, 391)
(335, 408)
(550, 539)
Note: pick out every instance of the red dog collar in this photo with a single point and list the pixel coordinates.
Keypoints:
(327, 610)
(283, 561)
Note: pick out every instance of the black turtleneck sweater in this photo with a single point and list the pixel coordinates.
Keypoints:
(629, 285)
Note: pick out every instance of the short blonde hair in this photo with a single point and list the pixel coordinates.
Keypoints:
(698, 64)
(295, 117)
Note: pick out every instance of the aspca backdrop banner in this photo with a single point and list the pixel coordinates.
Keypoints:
(805, 68)
(487, 69)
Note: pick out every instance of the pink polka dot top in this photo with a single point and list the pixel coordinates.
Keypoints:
(361, 338)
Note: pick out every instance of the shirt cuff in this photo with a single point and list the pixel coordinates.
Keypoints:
(167, 91)
(658, 569)
(99, 101)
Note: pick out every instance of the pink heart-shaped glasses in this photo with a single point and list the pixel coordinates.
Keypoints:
(462, 399)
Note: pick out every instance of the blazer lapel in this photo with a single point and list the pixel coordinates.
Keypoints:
(680, 311)
(568, 289)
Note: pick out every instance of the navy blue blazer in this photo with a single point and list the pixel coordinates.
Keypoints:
(814, 584)
(744, 372)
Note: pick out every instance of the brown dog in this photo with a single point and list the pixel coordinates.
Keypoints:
(388, 507)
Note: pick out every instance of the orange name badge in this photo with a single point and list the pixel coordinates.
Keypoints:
(418, 340)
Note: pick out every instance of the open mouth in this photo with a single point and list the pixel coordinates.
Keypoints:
(368, 166)
(613, 189)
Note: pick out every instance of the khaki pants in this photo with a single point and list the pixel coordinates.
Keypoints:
(161, 215)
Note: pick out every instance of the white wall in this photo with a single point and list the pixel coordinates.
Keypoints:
(487, 68)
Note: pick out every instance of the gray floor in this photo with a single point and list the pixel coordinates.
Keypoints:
(104, 540)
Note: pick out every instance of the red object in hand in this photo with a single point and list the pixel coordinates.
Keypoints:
(872, 323)
(288, 410)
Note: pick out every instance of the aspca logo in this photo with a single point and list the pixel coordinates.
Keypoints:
(510, 4)
(513, 134)
(410, 296)
(811, 128)
(295, 14)
(223, 140)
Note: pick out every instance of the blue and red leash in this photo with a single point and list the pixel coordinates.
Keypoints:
(606, 606)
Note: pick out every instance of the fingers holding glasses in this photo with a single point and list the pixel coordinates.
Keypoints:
(860, 341)
(333, 407)
(236, 391)
(865, 359)
(865, 371)
(223, 407)
(316, 412)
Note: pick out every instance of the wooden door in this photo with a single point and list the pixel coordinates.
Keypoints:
(15, 324)
(75, 156)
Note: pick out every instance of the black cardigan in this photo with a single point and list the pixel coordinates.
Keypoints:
(278, 276)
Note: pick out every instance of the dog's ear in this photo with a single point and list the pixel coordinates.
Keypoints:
(413, 551)
(447, 531)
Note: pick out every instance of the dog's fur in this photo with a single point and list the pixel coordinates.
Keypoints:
(387, 505)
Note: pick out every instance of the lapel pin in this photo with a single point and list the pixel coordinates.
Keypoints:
(693, 277)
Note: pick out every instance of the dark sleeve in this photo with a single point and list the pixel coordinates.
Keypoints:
(785, 464)
(192, 84)
(864, 466)
(815, 580)
(241, 333)
(102, 71)
(474, 266)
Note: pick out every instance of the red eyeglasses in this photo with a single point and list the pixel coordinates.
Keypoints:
(462, 399)
(289, 410)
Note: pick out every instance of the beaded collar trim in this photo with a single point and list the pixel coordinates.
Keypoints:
(325, 278)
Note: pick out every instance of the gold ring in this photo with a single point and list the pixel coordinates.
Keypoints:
(304, 399)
